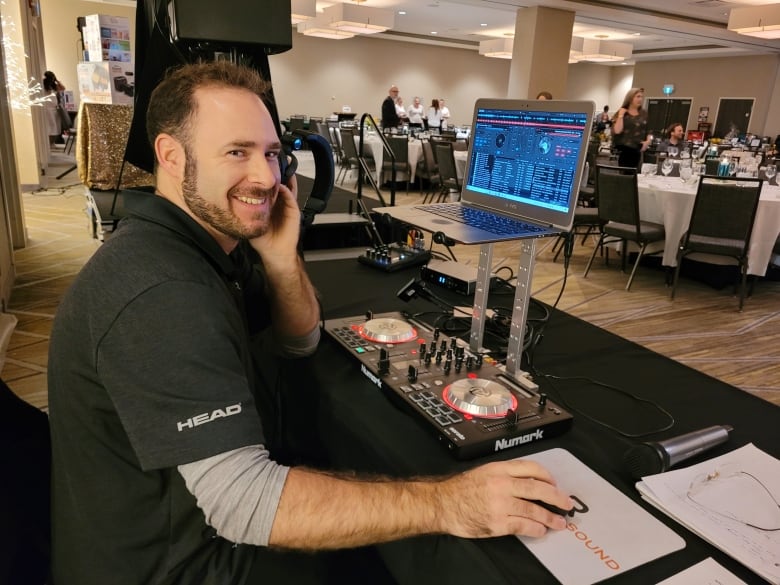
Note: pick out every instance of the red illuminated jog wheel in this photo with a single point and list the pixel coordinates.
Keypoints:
(387, 331)
(480, 398)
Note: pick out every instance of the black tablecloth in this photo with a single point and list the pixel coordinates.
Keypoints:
(360, 429)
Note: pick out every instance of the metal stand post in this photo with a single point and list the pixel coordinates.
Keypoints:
(519, 310)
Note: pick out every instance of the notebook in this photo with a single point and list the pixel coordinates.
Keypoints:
(522, 177)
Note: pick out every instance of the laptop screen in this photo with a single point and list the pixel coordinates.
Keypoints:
(526, 157)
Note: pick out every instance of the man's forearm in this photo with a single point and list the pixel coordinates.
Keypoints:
(322, 511)
(295, 308)
(318, 511)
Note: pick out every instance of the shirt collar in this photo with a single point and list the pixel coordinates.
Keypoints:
(154, 208)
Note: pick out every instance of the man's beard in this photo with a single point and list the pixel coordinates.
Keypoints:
(223, 220)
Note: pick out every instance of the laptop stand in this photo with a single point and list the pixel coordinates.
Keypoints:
(519, 310)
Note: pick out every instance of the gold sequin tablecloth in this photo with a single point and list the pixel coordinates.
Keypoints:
(102, 138)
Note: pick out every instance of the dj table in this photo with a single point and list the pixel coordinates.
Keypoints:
(359, 428)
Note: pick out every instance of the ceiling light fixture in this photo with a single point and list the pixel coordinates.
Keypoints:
(598, 51)
(499, 48)
(575, 50)
(756, 21)
(358, 19)
(301, 10)
(318, 27)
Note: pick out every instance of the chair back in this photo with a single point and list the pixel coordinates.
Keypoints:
(675, 167)
(711, 165)
(428, 158)
(723, 213)
(399, 144)
(348, 144)
(296, 123)
(324, 130)
(618, 195)
(446, 161)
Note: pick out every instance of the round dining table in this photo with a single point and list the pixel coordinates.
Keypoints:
(669, 201)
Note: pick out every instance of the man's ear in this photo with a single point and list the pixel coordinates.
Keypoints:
(171, 158)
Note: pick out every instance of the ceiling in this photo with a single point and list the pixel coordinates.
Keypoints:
(657, 29)
(660, 29)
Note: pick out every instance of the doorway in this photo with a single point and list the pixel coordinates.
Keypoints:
(663, 112)
(733, 118)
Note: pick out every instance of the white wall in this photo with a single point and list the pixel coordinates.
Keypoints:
(707, 80)
(590, 82)
(319, 76)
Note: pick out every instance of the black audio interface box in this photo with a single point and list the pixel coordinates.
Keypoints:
(454, 276)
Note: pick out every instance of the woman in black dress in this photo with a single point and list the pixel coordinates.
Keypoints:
(629, 130)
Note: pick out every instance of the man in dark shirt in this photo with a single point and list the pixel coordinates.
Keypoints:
(390, 117)
(674, 138)
(161, 419)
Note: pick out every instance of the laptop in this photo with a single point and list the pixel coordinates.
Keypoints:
(522, 176)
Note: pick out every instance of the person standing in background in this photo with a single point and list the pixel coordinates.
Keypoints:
(416, 113)
(400, 110)
(434, 115)
(390, 118)
(629, 130)
(445, 114)
(52, 88)
(544, 95)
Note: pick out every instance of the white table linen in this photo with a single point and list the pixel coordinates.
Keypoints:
(372, 145)
(669, 201)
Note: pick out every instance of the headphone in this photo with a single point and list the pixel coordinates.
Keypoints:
(441, 238)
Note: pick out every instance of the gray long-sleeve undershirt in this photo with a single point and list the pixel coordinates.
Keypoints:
(238, 492)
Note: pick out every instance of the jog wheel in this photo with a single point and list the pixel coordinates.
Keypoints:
(386, 330)
(480, 398)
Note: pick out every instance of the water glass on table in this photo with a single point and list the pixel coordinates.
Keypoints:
(769, 172)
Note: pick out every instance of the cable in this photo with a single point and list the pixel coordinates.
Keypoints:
(564, 402)
(568, 247)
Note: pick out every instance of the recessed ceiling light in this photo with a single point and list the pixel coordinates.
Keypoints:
(601, 36)
(402, 12)
(483, 24)
(637, 34)
(433, 32)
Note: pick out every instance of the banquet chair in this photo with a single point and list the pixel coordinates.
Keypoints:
(619, 211)
(349, 158)
(586, 215)
(447, 169)
(324, 130)
(721, 223)
(399, 145)
(711, 165)
(428, 169)
(296, 123)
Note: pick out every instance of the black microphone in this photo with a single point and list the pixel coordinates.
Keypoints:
(657, 457)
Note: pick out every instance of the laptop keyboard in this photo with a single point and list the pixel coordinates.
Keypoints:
(490, 222)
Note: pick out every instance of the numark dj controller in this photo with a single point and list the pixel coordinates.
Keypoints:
(475, 408)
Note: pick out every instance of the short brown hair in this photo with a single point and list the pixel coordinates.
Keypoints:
(172, 104)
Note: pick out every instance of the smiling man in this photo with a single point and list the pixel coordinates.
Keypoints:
(164, 428)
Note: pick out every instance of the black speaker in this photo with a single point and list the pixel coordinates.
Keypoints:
(238, 22)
